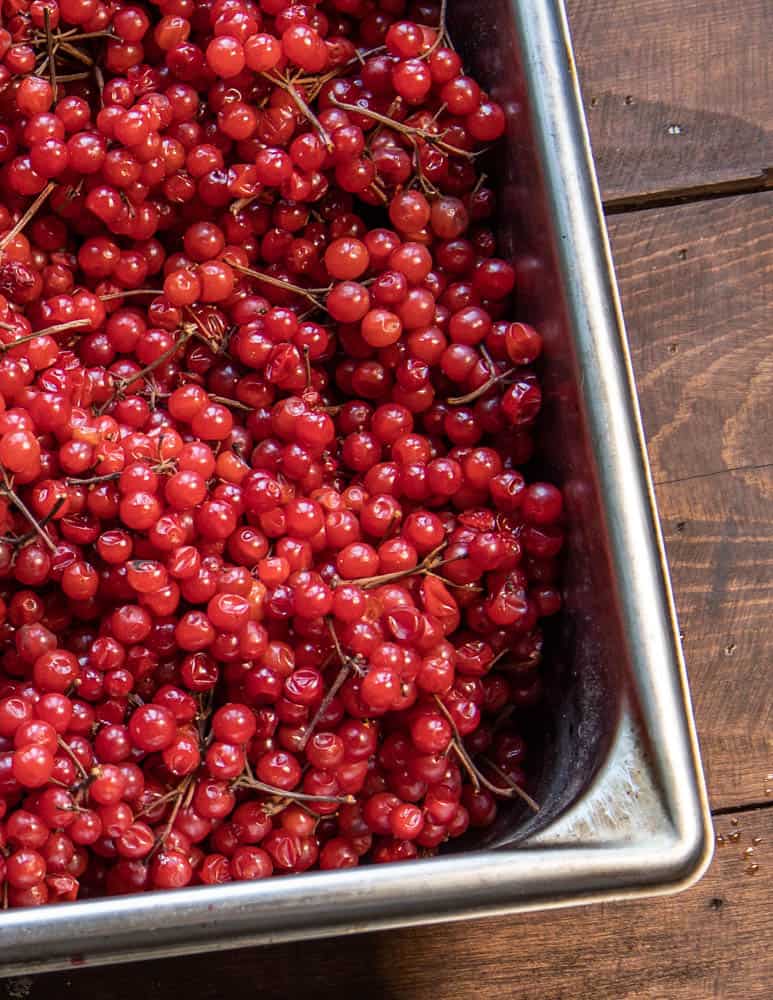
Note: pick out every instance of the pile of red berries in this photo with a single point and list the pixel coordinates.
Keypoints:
(270, 577)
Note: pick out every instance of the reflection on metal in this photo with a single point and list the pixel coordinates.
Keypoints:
(623, 803)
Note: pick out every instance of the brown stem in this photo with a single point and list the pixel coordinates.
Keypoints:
(80, 36)
(233, 403)
(442, 30)
(64, 745)
(70, 77)
(502, 718)
(261, 786)
(205, 335)
(167, 354)
(75, 324)
(50, 48)
(8, 490)
(368, 582)
(300, 102)
(514, 786)
(242, 203)
(476, 776)
(76, 53)
(470, 397)
(161, 800)
(410, 130)
(92, 480)
(131, 291)
(316, 83)
(269, 279)
(180, 793)
(100, 81)
(467, 764)
(335, 687)
(29, 214)
(343, 673)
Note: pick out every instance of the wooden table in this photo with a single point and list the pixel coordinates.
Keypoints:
(679, 98)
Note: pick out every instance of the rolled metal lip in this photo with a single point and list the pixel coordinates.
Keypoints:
(638, 822)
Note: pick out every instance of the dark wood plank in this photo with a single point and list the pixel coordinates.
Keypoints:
(679, 96)
(696, 283)
(712, 942)
(719, 536)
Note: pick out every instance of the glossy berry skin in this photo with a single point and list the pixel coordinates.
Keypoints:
(275, 584)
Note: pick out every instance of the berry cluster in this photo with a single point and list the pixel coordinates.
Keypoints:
(270, 576)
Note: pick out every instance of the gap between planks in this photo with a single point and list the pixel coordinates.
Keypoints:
(684, 196)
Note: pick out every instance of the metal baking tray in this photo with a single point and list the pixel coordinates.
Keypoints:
(624, 808)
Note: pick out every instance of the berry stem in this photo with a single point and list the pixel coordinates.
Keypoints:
(282, 793)
(269, 279)
(29, 214)
(242, 203)
(530, 802)
(185, 786)
(131, 291)
(8, 490)
(409, 130)
(287, 85)
(75, 324)
(75, 52)
(233, 403)
(442, 30)
(184, 337)
(64, 745)
(50, 49)
(478, 779)
(368, 582)
(92, 480)
(333, 690)
(470, 397)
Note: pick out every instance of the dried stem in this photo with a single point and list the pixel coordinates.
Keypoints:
(124, 383)
(282, 793)
(161, 800)
(179, 794)
(70, 77)
(29, 214)
(50, 49)
(92, 480)
(368, 582)
(335, 687)
(300, 102)
(442, 31)
(470, 397)
(530, 802)
(7, 490)
(131, 291)
(205, 335)
(75, 324)
(241, 203)
(478, 779)
(410, 130)
(341, 676)
(235, 404)
(269, 279)
(64, 745)
(76, 53)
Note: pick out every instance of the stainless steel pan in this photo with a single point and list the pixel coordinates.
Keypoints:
(623, 803)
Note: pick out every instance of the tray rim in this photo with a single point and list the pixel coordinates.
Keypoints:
(507, 880)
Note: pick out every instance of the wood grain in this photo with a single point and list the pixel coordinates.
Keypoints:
(711, 942)
(697, 288)
(679, 96)
(719, 536)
